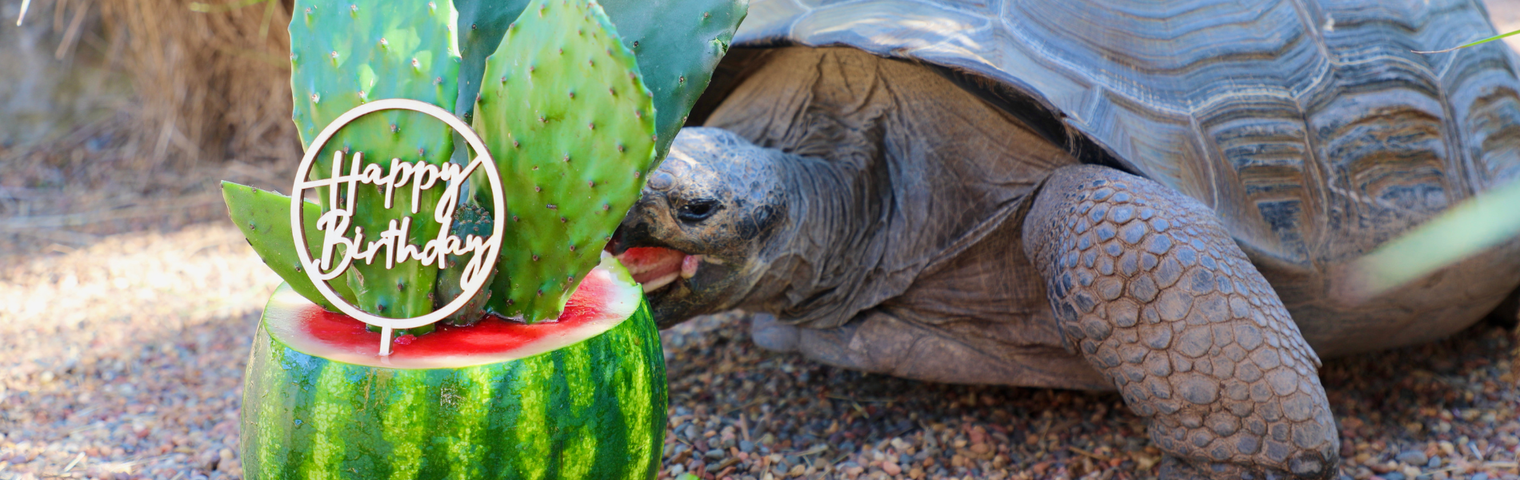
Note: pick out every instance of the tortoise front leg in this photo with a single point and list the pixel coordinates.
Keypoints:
(1150, 289)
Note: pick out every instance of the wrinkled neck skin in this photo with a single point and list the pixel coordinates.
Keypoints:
(878, 171)
(829, 245)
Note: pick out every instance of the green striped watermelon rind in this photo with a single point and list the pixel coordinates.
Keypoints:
(594, 409)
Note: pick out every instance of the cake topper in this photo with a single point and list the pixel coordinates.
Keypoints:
(391, 246)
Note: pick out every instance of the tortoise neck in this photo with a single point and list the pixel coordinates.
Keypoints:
(831, 246)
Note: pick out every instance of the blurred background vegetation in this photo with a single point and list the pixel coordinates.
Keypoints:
(121, 115)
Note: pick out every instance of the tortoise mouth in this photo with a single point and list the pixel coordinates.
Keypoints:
(658, 267)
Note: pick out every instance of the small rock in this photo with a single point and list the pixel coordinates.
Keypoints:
(746, 446)
(1435, 462)
(1393, 476)
(714, 454)
(1412, 457)
(891, 468)
(207, 460)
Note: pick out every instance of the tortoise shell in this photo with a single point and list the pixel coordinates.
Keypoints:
(1314, 129)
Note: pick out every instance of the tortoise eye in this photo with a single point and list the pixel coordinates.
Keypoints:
(697, 211)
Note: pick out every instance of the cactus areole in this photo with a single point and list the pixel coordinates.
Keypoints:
(392, 243)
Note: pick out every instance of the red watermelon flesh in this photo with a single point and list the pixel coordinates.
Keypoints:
(602, 301)
(655, 267)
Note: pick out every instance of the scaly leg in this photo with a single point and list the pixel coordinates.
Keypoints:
(1149, 287)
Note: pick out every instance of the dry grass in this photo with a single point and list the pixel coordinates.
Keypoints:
(210, 101)
(218, 73)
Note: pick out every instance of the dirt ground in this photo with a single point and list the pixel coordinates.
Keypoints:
(124, 332)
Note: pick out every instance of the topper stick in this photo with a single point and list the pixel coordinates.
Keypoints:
(385, 341)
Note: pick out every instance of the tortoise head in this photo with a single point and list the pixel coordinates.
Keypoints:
(696, 238)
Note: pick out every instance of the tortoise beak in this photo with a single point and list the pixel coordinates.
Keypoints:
(636, 229)
(625, 236)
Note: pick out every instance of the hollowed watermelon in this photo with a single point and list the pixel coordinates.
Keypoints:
(583, 397)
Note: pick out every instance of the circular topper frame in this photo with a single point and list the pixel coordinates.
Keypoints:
(297, 220)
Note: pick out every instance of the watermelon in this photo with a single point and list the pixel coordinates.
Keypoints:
(583, 397)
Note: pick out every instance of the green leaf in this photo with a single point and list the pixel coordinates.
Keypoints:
(1473, 43)
(1470, 227)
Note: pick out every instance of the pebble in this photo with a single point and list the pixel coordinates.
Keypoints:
(1413, 457)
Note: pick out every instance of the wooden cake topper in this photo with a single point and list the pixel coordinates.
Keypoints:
(417, 175)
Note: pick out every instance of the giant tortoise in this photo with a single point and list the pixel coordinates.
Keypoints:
(1156, 197)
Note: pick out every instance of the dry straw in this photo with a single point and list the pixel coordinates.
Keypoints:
(209, 100)
(211, 78)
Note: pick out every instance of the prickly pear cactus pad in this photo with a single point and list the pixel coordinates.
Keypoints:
(678, 43)
(565, 112)
(469, 219)
(264, 219)
(344, 54)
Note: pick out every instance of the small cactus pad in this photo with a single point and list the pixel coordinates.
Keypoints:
(344, 54)
(571, 126)
(264, 218)
(469, 219)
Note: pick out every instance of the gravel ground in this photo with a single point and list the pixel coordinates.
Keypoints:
(121, 356)
(113, 369)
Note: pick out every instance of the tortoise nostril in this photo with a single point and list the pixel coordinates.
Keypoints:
(661, 181)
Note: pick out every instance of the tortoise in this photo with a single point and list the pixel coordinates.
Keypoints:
(1159, 198)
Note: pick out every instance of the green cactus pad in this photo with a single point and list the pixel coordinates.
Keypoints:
(264, 218)
(482, 23)
(469, 219)
(678, 43)
(344, 54)
(566, 115)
